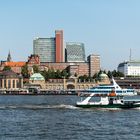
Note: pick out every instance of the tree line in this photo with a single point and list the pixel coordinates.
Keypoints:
(48, 74)
(57, 74)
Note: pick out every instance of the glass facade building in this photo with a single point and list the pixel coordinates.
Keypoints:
(45, 49)
(75, 52)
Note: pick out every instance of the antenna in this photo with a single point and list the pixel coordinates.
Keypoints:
(130, 57)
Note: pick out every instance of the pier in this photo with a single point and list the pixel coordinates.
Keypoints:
(34, 91)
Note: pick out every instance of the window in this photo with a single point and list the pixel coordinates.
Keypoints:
(5, 83)
(14, 84)
(9, 83)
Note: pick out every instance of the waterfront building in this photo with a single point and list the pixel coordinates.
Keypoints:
(103, 77)
(94, 64)
(73, 69)
(33, 60)
(128, 82)
(130, 68)
(65, 84)
(51, 55)
(59, 55)
(45, 49)
(80, 68)
(37, 80)
(15, 66)
(10, 80)
(75, 52)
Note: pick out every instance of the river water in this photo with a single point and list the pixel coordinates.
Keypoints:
(57, 118)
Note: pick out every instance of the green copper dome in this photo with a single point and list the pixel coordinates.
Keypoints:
(103, 75)
(37, 76)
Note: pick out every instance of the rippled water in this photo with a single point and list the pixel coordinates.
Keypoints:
(56, 118)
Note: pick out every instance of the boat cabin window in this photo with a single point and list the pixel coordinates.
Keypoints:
(95, 99)
(119, 91)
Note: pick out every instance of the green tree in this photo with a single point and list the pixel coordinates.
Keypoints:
(36, 69)
(25, 72)
(64, 73)
(120, 74)
(81, 78)
(100, 72)
(52, 73)
(85, 78)
(109, 74)
(6, 68)
(45, 74)
(115, 73)
(58, 74)
(95, 76)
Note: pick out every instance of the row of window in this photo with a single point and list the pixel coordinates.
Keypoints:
(9, 84)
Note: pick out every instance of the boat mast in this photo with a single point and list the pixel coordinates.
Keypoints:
(130, 57)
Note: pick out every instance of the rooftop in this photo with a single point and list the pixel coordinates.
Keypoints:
(37, 76)
(9, 74)
(15, 64)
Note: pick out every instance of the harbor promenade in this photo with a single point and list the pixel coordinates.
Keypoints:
(34, 91)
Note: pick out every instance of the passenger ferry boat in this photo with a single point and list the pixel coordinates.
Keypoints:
(108, 96)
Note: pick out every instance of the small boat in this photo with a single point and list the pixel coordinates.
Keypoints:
(108, 96)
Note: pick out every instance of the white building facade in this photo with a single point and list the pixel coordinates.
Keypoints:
(130, 68)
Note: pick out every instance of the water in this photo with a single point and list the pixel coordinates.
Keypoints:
(56, 118)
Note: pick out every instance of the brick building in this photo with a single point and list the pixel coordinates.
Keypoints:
(88, 68)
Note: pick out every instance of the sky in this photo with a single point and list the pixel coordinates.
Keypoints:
(106, 27)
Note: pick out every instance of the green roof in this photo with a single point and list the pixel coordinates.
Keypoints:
(103, 75)
(37, 76)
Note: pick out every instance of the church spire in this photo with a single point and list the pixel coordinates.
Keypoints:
(9, 59)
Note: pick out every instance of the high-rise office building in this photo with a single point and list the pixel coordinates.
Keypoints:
(94, 64)
(45, 49)
(59, 46)
(50, 49)
(75, 52)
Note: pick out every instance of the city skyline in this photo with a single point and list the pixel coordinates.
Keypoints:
(108, 28)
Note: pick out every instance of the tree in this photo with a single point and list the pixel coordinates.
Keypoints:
(58, 74)
(100, 72)
(36, 69)
(25, 72)
(95, 76)
(109, 74)
(84, 78)
(52, 73)
(64, 74)
(81, 78)
(45, 74)
(6, 68)
(115, 73)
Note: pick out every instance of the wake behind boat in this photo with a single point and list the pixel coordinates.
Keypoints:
(108, 96)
